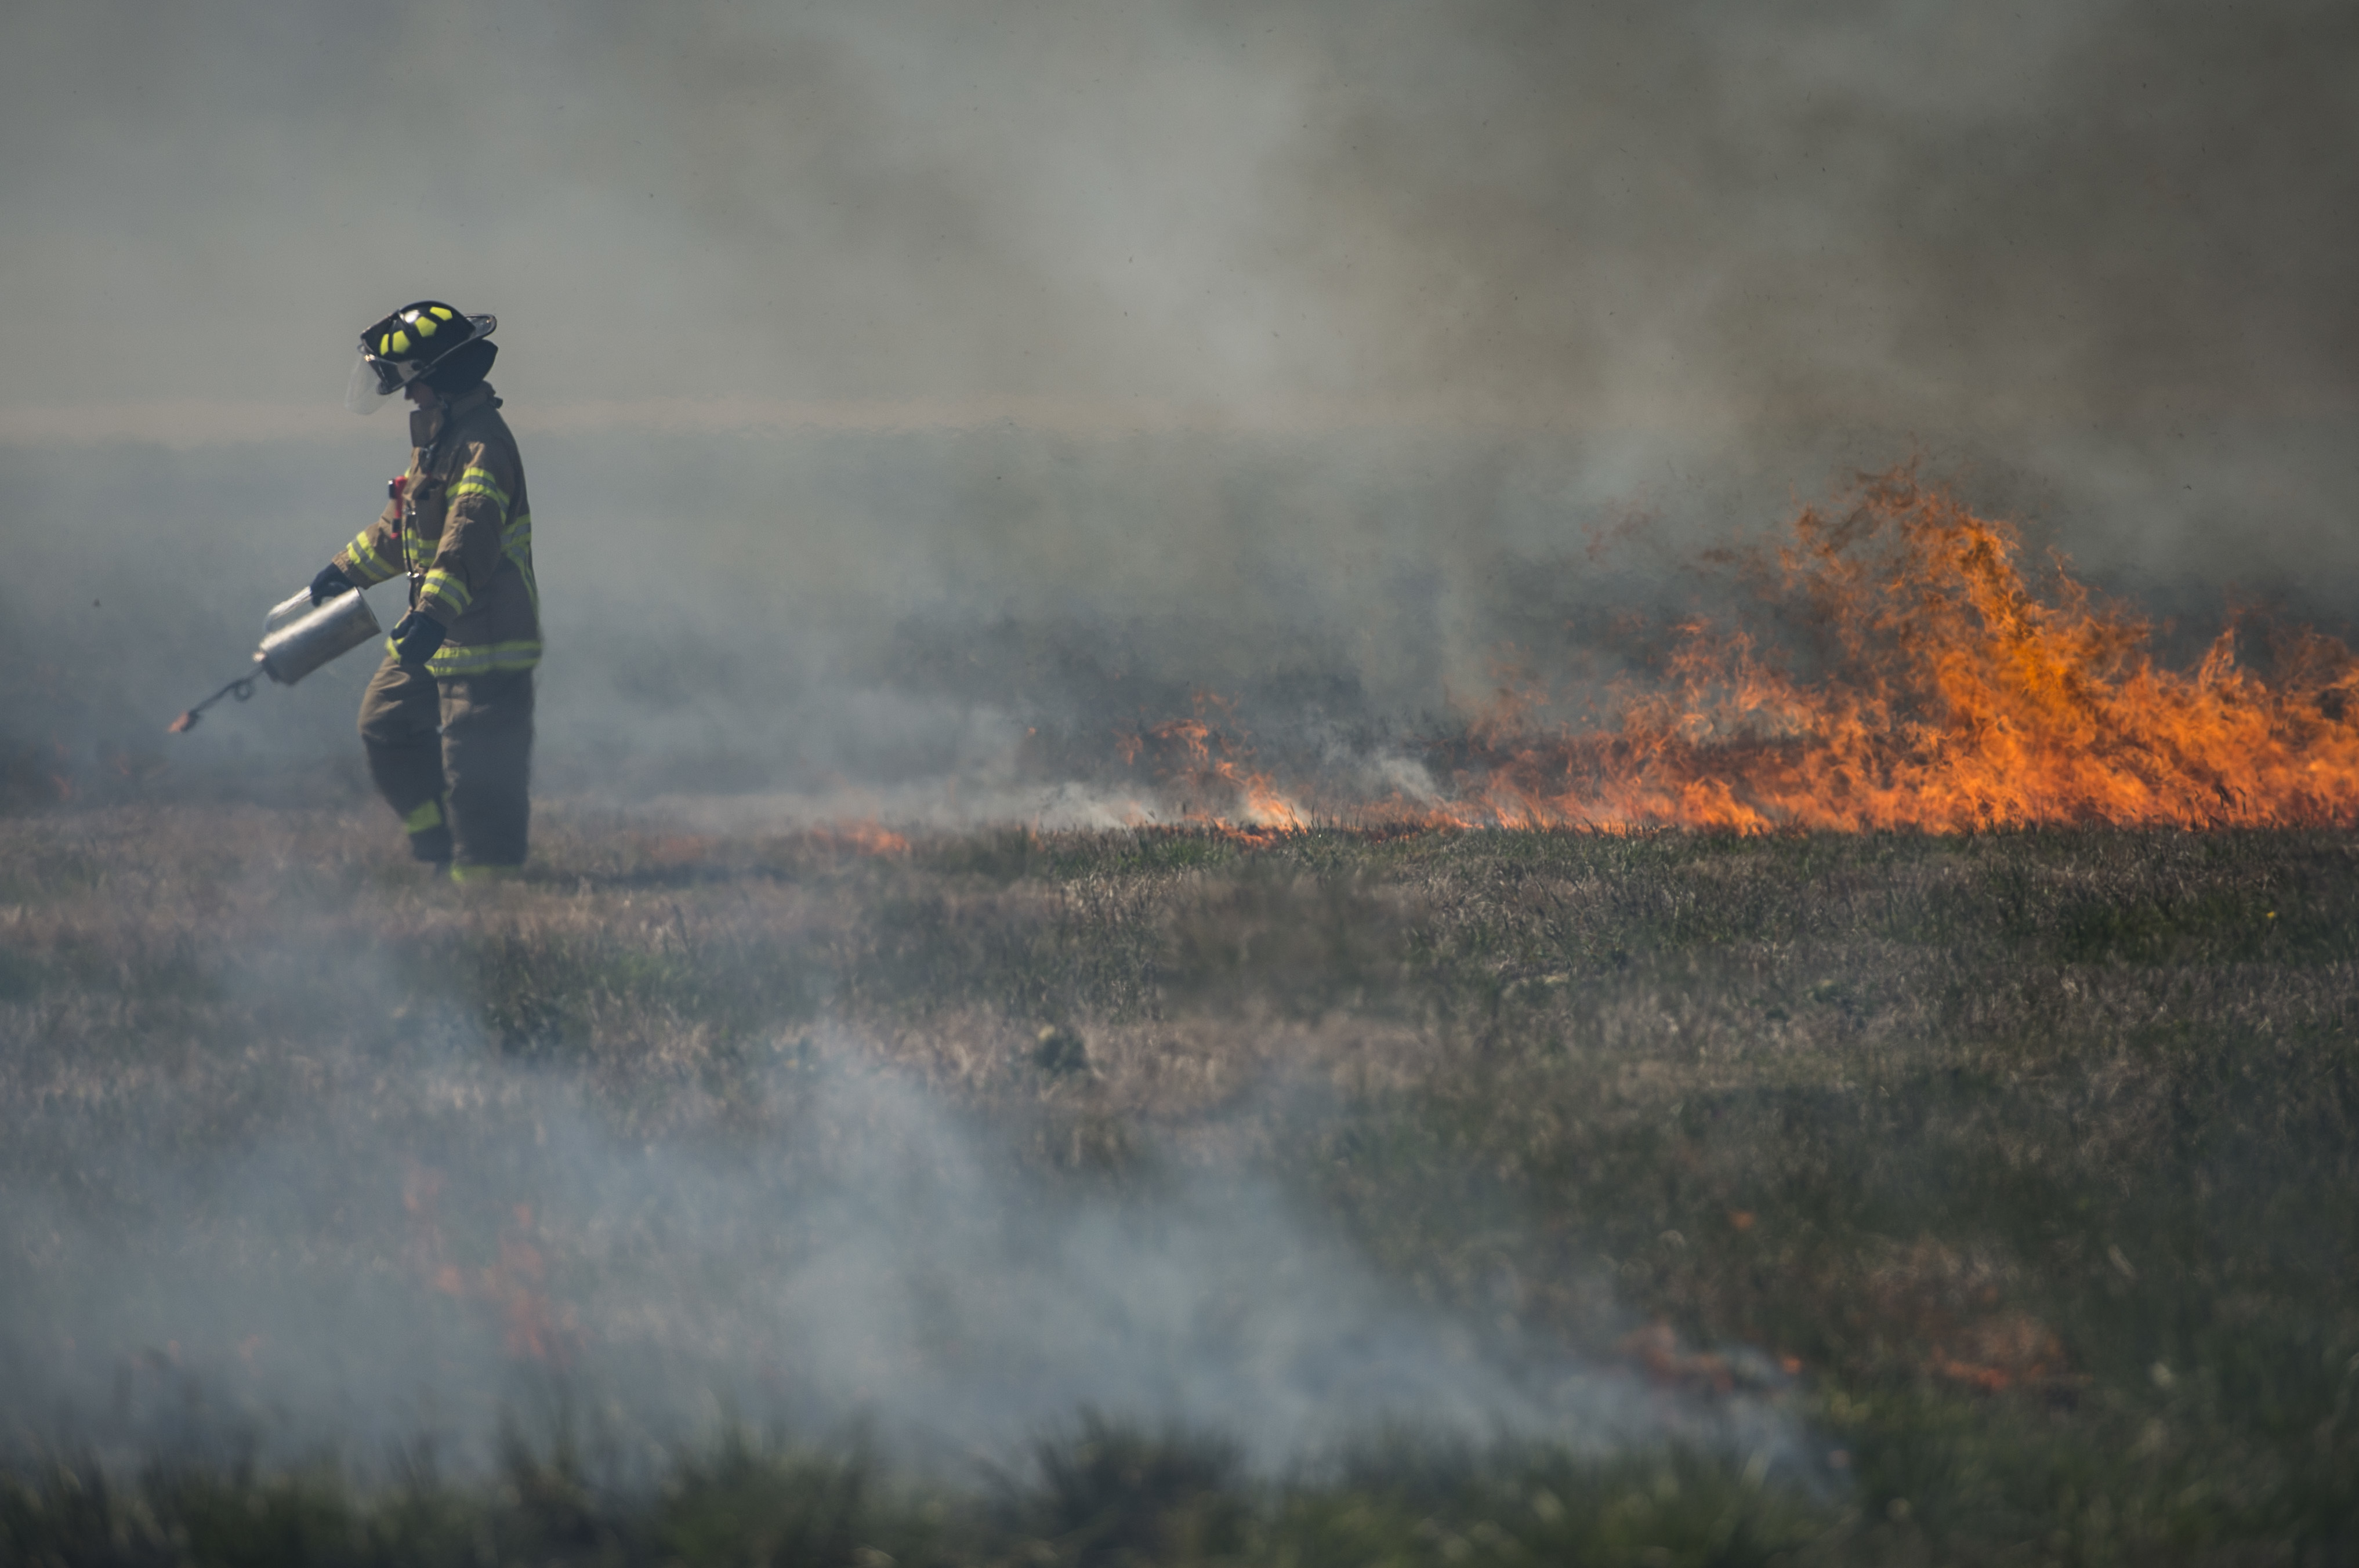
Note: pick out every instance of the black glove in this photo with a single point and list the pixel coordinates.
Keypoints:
(329, 583)
(415, 638)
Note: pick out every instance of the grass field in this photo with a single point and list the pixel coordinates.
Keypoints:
(2017, 1177)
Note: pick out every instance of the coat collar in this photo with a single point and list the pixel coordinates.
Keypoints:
(425, 423)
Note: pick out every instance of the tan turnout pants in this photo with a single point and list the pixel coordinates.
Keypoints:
(454, 758)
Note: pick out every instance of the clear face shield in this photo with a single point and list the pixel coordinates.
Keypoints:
(372, 385)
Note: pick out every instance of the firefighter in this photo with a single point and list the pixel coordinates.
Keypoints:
(446, 720)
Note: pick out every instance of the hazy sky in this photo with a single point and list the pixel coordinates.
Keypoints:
(1698, 212)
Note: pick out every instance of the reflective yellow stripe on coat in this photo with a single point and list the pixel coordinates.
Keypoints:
(450, 661)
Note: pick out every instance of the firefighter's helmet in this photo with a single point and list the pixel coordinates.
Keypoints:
(404, 346)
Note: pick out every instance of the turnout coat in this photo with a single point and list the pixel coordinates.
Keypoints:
(460, 528)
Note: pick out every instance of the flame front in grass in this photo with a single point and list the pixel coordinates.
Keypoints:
(1200, 756)
(1945, 696)
(864, 837)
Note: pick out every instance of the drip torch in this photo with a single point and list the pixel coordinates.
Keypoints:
(298, 637)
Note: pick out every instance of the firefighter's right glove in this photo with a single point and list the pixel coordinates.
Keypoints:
(329, 583)
(415, 638)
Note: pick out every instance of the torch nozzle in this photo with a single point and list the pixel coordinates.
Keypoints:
(240, 688)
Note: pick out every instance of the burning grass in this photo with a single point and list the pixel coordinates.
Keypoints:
(2021, 1167)
(1890, 664)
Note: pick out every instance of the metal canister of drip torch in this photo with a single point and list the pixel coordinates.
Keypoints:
(299, 636)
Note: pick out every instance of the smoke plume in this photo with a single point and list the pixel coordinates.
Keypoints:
(419, 1243)
(915, 393)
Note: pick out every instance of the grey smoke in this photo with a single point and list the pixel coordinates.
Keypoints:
(916, 392)
(1745, 215)
(418, 1243)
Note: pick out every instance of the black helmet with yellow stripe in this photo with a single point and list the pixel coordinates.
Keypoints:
(404, 346)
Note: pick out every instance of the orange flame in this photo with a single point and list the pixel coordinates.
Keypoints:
(1943, 695)
(1952, 697)
(533, 1326)
(861, 838)
(1202, 756)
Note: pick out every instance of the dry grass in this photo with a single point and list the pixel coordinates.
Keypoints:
(2037, 1154)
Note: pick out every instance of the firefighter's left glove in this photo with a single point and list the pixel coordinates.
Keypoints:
(415, 636)
(330, 583)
